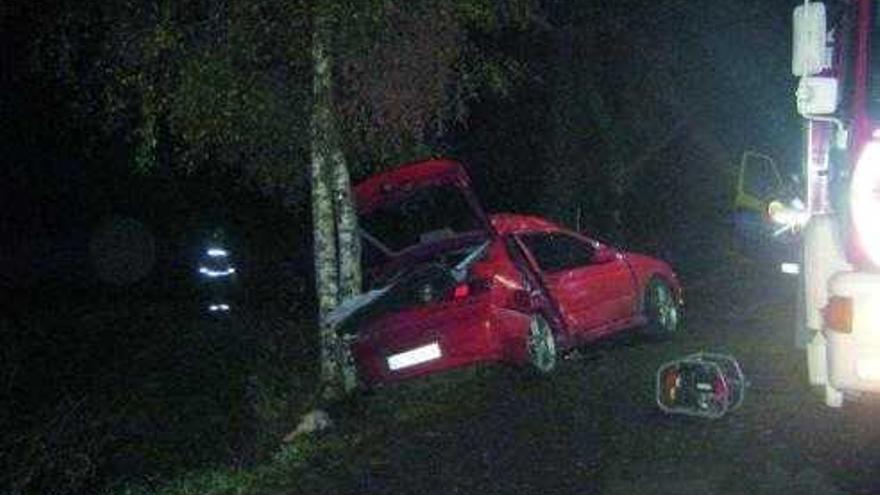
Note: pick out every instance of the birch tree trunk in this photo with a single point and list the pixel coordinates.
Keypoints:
(349, 256)
(336, 244)
(346, 230)
(323, 218)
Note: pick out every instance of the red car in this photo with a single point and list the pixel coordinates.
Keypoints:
(453, 286)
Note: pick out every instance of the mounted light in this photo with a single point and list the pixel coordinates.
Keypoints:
(865, 201)
(415, 356)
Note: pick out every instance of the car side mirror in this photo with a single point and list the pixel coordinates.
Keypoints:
(809, 53)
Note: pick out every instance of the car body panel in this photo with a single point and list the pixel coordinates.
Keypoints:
(645, 267)
(593, 293)
(485, 317)
(460, 330)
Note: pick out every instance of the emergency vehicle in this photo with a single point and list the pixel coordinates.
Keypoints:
(836, 56)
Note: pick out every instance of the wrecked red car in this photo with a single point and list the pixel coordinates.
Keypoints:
(451, 286)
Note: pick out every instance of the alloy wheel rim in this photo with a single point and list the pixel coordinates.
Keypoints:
(667, 310)
(541, 345)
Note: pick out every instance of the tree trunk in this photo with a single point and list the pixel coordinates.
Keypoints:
(323, 218)
(349, 256)
(346, 230)
(336, 245)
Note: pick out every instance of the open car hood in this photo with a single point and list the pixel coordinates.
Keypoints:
(418, 210)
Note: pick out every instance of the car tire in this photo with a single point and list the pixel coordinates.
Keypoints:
(661, 309)
(541, 348)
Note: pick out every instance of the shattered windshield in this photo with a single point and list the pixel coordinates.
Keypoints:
(427, 214)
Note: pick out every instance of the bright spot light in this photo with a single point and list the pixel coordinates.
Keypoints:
(218, 307)
(790, 268)
(792, 215)
(865, 200)
(415, 356)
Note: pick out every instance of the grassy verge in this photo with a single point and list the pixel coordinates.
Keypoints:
(124, 393)
(592, 428)
(317, 463)
(208, 419)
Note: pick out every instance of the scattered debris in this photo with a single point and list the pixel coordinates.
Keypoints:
(702, 384)
(312, 421)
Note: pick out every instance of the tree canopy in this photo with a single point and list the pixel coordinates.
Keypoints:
(189, 86)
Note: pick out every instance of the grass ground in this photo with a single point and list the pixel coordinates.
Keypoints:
(199, 408)
(593, 427)
(110, 392)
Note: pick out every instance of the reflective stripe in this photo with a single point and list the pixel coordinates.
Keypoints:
(216, 273)
(217, 252)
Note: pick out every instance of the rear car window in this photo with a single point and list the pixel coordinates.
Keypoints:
(427, 214)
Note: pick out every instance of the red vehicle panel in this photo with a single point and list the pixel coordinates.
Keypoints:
(452, 286)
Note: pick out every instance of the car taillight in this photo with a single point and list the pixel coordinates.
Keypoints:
(865, 201)
(470, 288)
(838, 314)
(461, 291)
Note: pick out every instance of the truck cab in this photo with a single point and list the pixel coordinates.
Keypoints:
(759, 187)
(836, 56)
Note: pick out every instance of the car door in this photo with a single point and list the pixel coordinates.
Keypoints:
(591, 292)
(615, 283)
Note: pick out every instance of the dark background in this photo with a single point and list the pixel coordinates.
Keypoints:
(674, 90)
(97, 262)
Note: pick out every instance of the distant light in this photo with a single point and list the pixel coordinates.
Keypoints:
(216, 273)
(415, 356)
(218, 307)
(217, 253)
(790, 216)
(790, 268)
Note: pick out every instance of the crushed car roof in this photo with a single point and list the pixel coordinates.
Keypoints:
(510, 223)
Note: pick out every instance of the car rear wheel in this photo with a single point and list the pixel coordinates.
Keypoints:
(661, 309)
(541, 346)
